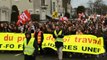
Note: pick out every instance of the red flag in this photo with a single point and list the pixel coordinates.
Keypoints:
(28, 16)
(18, 22)
(25, 17)
(63, 18)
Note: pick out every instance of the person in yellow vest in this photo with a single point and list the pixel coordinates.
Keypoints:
(38, 35)
(58, 34)
(29, 47)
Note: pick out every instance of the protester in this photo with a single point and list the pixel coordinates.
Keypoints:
(105, 41)
(38, 35)
(58, 34)
(92, 25)
(1, 27)
(29, 47)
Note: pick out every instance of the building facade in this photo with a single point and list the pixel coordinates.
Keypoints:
(6, 8)
(41, 7)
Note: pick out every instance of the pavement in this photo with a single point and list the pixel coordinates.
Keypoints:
(10, 55)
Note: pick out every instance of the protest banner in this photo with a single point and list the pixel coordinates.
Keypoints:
(88, 44)
(11, 41)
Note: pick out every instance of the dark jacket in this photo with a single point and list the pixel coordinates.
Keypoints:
(58, 44)
(34, 45)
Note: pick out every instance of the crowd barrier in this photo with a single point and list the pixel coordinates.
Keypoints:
(88, 44)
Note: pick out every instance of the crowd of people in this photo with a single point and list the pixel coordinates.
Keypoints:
(95, 26)
(89, 25)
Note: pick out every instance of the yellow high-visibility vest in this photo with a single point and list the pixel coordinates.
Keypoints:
(29, 49)
(58, 39)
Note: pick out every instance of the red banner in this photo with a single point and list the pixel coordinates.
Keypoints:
(24, 17)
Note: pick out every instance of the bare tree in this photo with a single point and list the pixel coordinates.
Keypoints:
(90, 3)
(97, 6)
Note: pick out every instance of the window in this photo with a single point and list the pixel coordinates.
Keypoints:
(53, 6)
(42, 2)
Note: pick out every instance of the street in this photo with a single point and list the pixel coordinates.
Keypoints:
(19, 56)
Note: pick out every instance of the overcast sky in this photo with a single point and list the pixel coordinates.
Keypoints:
(76, 3)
